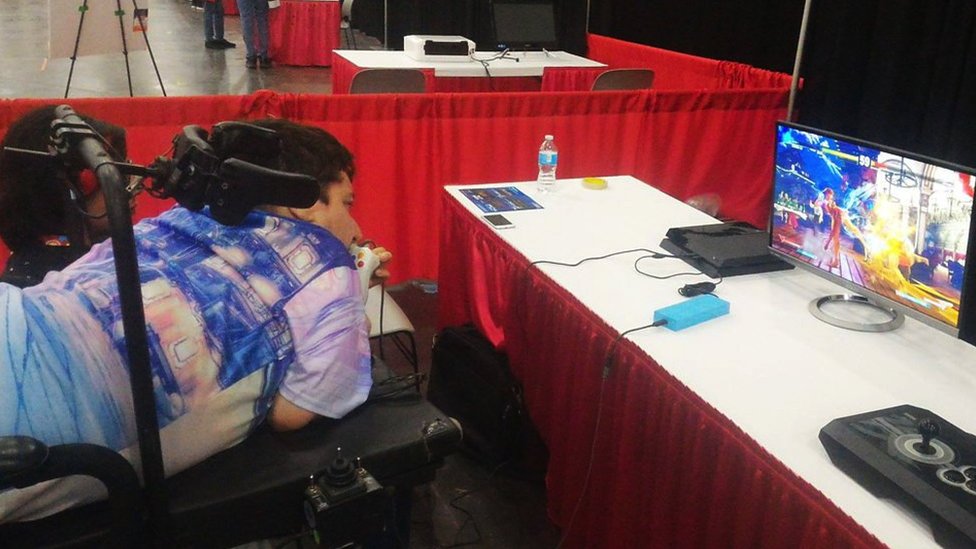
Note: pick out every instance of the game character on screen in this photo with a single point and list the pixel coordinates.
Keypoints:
(838, 218)
(260, 321)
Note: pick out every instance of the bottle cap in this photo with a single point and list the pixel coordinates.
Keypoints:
(595, 183)
(549, 136)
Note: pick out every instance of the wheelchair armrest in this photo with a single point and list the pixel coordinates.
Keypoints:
(19, 456)
(25, 461)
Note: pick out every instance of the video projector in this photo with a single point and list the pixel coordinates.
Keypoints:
(433, 48)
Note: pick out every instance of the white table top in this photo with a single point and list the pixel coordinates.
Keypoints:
(529, 63)
(769, 366)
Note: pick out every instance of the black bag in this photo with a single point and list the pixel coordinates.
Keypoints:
(471, 382)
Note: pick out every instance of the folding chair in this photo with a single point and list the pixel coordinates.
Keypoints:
(623, 79)
(388, 81)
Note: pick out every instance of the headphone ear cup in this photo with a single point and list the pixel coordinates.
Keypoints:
(87, 182)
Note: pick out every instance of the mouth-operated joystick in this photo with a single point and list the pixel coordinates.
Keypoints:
(366, 262)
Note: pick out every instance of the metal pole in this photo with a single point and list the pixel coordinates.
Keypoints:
(801, 40)
(386, 25)
(145, 35)
(125, 49)
(587, 29)
(74, 54)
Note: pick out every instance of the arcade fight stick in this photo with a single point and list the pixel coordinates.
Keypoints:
(913, 456)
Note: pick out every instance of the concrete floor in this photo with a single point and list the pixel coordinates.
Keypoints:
(176, 40)
(467, 505)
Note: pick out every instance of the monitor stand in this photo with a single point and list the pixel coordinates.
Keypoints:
(854, 312)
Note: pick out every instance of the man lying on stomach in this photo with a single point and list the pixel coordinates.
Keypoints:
(263, 320)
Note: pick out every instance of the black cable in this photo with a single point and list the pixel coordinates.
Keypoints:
(484, 64)
(661, 277)
(469, 518)
(699, 288)
(688, 290)
(382, 335)
(596, 428)
(653, 254)
(76, 201)
(397, 385)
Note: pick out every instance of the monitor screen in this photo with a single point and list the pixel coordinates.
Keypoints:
(888, 224)
(524, 24)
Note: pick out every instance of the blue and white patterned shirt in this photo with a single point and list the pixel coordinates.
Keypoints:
(234, 315)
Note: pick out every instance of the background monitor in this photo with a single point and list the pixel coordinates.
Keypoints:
(521, 25)
(894, 226)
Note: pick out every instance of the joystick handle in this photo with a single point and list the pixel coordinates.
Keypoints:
(340, 472)
(929, 429)
(366, 262)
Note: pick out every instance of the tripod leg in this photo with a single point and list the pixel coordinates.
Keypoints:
(74, 54)
(145, 36)
(125, 50)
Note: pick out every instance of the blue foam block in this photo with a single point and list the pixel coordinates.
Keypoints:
(692, 311)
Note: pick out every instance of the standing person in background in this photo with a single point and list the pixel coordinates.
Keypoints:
(254, 27)
(213, 26)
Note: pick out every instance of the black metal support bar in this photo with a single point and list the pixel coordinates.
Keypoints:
(92, 154)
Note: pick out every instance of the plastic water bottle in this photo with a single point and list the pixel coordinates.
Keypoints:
(548, 157)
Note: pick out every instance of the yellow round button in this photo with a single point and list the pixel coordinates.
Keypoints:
(595, 183)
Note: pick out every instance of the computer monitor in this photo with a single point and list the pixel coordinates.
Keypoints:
(893, 226)
(524, 25)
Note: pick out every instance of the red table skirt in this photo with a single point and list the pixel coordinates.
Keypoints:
(304, 33)
(668, 470)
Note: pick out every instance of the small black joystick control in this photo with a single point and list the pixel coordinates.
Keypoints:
(929, 429)
(340, 472)
(342, 479)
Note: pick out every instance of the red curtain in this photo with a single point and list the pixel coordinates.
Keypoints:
(397, 161)
(566, 79)
(667, 469)
(304, 33)
(409, 146)
(715, 143)
(680, 71)
(458, 84)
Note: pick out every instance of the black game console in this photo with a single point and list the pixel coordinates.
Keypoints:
(724, 249)
(913, 456)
